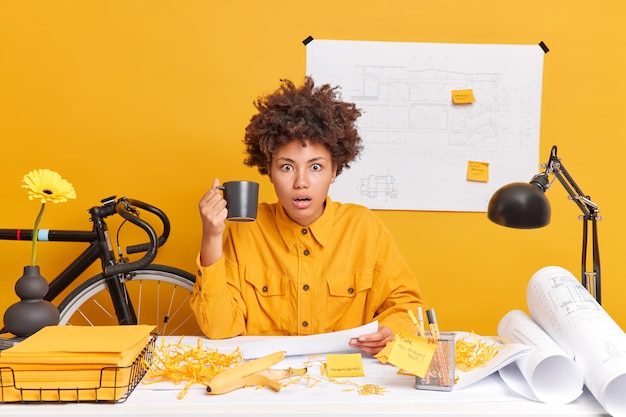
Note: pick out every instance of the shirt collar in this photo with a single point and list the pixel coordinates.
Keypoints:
(320, 229)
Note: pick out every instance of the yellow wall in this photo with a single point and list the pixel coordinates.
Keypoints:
(149, 99)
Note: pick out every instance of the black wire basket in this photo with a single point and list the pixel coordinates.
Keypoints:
(110, 384)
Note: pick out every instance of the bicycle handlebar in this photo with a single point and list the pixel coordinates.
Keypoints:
(126, 208)
(143, 247)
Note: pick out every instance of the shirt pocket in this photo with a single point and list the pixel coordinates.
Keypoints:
(266, 284)
(266, 301)
(348, 299)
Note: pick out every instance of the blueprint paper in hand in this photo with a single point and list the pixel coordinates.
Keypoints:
(332, 342)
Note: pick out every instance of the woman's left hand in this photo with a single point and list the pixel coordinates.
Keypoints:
(374, 342)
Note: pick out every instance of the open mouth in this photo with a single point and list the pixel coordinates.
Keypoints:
(302, 202)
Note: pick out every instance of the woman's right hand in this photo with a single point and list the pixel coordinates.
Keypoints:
(213, 214)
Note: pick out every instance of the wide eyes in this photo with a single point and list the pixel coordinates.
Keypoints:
(288, 167)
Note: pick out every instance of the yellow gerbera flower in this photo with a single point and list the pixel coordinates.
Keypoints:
(48, 186)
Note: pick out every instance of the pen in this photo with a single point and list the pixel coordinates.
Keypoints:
(420, 332)
(420, 318)
(432, 321)
(413, 319)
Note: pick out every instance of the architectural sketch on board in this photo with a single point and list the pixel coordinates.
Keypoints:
(417, 142)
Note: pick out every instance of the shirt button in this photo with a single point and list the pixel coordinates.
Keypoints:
(305, 324)
(305, 287)
(264, 289)
(351, 290)
(306, 252)
(304, 231)
(200, 272)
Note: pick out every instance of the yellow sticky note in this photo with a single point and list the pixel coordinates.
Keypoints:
(412, 353)
(383, 354)
(477, 171)
(463, 96)
(345, 364)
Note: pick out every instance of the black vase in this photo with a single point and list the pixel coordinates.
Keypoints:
(32, 313)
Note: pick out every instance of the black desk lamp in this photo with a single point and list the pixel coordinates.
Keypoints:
(524, 206)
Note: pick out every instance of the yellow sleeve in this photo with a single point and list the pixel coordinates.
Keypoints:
(214, 304)
(400, 284)
(395, 311)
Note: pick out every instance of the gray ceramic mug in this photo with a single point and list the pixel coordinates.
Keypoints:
(242, 199)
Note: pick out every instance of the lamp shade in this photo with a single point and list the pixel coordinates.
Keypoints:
(519, 205)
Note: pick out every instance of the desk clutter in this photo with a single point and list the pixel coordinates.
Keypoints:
(564, 348)
(76, 364)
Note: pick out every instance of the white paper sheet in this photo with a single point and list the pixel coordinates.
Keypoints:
(547, 374)
(306, 345)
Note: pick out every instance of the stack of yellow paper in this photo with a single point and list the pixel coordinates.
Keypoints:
(72, 363)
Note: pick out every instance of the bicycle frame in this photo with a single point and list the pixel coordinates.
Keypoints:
(100, 247)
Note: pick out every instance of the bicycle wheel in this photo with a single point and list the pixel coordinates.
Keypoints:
(160, 295)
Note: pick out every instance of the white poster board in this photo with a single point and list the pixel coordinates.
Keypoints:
(419, 146)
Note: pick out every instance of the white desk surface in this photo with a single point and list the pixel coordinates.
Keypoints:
(488, 397)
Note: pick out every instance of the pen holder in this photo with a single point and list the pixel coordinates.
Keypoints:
(440, 374)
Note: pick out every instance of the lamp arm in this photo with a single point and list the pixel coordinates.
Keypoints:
(596, 264)
(590, 280)
(584, 203)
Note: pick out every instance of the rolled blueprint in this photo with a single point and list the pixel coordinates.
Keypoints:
(548, 374)
(567, 312)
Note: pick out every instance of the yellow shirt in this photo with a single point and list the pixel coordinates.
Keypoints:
(279, 278)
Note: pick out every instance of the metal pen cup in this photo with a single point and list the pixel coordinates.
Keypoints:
(440, 375)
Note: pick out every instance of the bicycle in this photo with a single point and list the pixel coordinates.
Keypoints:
(125, 292)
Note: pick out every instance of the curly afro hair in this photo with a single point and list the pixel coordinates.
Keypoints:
(309, 113)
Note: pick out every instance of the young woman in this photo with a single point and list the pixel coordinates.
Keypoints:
(308, 265)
